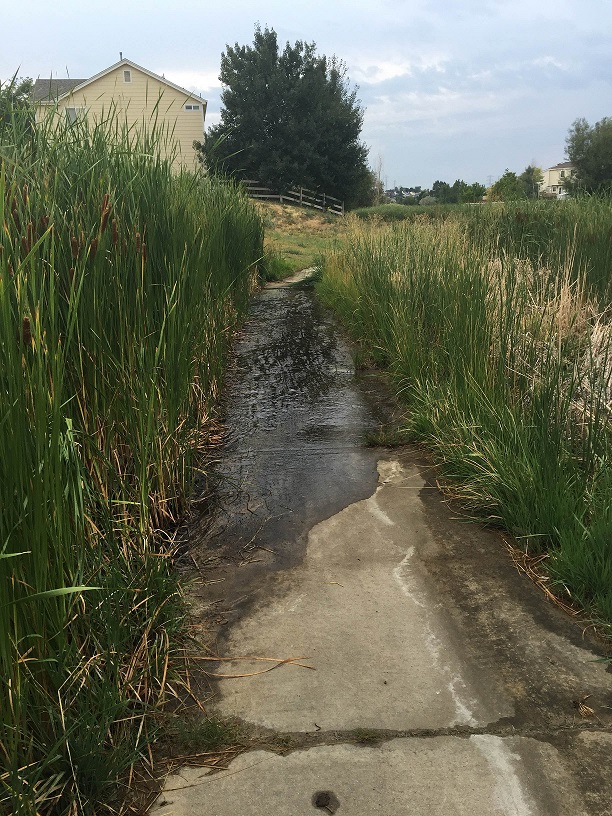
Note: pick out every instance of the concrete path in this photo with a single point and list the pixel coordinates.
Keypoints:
(291, 280)
(441, 681)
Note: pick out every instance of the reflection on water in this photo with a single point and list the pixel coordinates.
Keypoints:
(296, 421)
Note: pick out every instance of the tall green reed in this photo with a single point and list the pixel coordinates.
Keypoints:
(505, 366)
(120, 282)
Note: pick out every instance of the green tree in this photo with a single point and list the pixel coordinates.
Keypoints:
(507, 188)
(442, 192)
(530, 178)
(590, 150)
(289, 118)
(458, 193)
(15, 95)
(472, 193)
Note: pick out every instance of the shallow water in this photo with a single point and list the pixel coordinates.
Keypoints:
(296, 421)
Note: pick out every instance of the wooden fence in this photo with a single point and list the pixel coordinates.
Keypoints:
(297, 195)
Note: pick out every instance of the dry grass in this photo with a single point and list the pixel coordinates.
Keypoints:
(299, 234)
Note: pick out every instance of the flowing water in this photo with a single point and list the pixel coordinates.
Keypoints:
(297, 419)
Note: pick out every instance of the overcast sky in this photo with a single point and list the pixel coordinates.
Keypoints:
(451, 88)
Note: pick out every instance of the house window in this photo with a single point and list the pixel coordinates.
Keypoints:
(562, 173)
(192, 107)
(72, 114)
(127, 76)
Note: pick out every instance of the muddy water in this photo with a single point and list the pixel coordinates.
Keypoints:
(297, 419)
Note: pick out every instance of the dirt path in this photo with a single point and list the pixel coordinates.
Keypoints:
(441, 681)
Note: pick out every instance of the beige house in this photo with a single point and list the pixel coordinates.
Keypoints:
(552, 184)
(136, 94)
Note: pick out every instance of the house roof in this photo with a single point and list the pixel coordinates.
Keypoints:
(50, 90)
(67, 86)
(561, 166)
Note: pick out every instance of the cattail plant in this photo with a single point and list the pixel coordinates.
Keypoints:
(495, 324)
(110, 367)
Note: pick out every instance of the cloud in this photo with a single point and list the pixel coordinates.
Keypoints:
(446, 111)
(450, 87)
(382, 71)
(197, 81)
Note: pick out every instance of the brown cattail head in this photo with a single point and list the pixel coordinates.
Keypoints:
(26, 332)
(105, 213)
(71, 275)
(115, 231)
(25, 246)
(16, 218)
(93, 248)
(138, 242)
(43, 223)
(24, 194)
(144, 251)
(74, 245)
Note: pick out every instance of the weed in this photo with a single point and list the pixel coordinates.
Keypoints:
(274, 266)
(386, 436)
(120, 282)
(300, 236)
(500, 345)
(188, 736)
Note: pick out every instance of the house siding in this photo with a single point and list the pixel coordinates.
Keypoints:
(140, 102)
(554, 177)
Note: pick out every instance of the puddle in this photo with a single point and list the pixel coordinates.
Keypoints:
(294, 453)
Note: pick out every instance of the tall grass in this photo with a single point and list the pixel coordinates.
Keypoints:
(574, 234)
(505, 365)
(120, 283)
(552, 233)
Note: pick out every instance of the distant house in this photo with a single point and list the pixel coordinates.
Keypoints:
(138, 95)
(552, 185)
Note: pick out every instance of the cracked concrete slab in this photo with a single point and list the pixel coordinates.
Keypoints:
(361, 611)
(479, 776)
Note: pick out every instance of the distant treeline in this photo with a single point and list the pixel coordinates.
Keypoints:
(440, 193)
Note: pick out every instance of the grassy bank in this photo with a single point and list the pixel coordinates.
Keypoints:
(119, 287)
(503, 357)
(573, 234)
(297, 237)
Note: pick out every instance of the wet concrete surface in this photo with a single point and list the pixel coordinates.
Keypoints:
(424, 640)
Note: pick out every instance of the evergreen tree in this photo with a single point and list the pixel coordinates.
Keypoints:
(289, 118)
